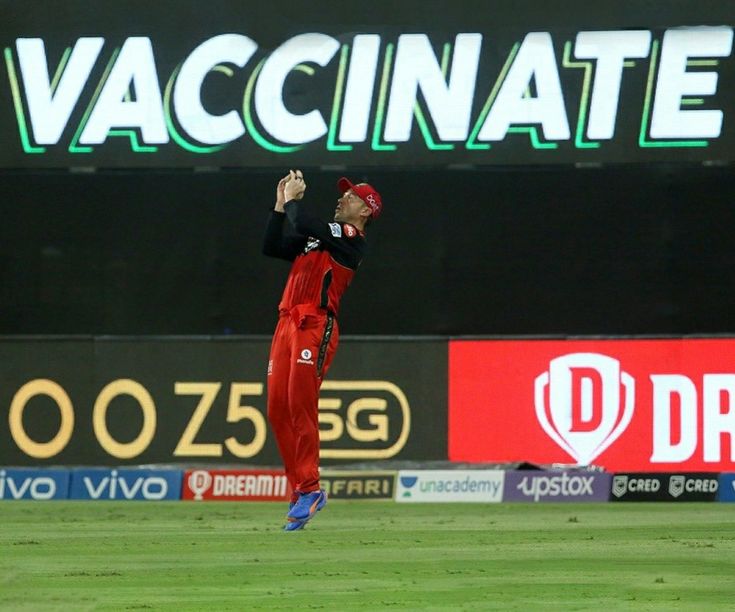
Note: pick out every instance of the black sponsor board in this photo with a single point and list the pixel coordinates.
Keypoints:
(359, 485)
(239, 86)
(664, 487)
(140, 401)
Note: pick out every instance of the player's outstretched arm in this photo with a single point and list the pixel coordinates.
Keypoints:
(275, 243)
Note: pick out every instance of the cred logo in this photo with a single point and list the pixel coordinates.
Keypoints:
(584, 402)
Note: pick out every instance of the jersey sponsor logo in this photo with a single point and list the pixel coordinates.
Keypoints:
(336, 230)
(306, 357)
(350, 231)
(311, 244)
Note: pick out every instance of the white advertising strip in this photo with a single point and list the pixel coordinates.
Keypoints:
(450, 486)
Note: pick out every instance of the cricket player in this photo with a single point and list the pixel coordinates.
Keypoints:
(325, 257)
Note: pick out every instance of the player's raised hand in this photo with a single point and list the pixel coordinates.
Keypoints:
(295, 186)
(280, 195)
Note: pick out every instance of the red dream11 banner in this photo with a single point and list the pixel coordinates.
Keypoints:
(235, 485)
(625, 405)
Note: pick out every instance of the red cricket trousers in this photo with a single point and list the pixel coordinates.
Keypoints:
(303, 346)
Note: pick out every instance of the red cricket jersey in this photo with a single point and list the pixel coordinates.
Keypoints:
(325, 256)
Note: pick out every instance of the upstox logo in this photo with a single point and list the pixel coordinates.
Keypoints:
(584, 402)
(102, 89)
(564, 485)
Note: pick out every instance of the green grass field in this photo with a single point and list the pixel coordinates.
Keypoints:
(372, 555)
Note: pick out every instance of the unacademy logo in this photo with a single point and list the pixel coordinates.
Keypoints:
(408, 482)
(466, 485)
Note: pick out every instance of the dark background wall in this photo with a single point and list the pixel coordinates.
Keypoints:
(612, 250)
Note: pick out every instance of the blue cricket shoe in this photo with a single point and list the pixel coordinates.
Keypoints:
(295, 525)
(306, 507)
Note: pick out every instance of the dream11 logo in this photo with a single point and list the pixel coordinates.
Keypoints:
(584, 402)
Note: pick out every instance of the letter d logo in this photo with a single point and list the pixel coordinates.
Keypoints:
(584, 402)
(199, 483)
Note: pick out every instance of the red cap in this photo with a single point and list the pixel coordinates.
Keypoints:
(365, 192)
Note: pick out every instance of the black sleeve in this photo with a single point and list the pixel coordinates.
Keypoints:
(346, 250)
(276, 243)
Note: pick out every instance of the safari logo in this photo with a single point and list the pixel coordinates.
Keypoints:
(584, 402)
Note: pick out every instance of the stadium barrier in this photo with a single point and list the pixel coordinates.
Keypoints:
(726, 491)
(664, 487)
(235, 485)
(125, 484)
(625, 405)
(403, 486)
(40, 484)
(450, 486)
(200, 401)
(556, 486)
(374, 485)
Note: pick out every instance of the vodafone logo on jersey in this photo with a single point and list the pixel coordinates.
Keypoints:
(626, 405)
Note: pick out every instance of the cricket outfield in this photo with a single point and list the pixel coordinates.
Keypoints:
(366, 555)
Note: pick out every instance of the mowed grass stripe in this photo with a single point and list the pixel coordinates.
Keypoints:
(234, 556)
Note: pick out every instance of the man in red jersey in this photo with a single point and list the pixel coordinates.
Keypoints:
(325, 257)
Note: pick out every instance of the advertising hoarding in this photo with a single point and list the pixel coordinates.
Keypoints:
(726, 488)
(145, 401)
(125, 484)
(358, 485)
(556, 486)
(235, 485)
(664, 487)
(625, 405)
(481, 486)
(38, 484)
(477, 86)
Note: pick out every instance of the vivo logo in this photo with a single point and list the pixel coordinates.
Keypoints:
(116, 486)
(39, 487)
